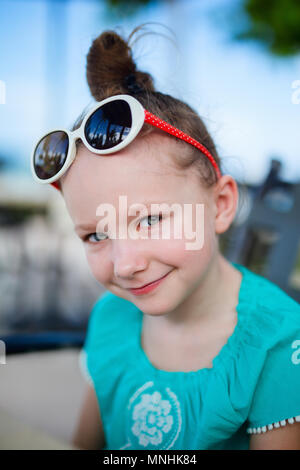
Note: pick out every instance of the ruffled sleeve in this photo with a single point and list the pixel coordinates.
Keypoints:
(91, 338)
(107, 357)
(82, 361)
(276, 398)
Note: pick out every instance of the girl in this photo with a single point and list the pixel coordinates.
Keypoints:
(184, 350)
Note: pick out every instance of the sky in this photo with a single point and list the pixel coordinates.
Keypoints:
(243, 94)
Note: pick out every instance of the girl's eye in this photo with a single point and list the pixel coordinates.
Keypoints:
(152, 219)
(98, 237)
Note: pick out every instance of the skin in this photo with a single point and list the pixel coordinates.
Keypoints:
(194, 307)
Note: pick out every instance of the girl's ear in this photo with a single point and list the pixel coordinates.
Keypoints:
(226, 201)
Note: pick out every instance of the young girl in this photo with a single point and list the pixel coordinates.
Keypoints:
(184, 350)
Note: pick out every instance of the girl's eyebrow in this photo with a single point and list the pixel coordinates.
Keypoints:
(87, 227)
(83, 227)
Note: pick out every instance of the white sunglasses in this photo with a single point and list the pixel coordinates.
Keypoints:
(108, 127)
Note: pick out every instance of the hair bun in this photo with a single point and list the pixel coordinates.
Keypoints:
(111, 70)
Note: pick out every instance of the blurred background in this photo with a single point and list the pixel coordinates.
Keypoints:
(237, 63)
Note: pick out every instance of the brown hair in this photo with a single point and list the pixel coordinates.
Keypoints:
(111, 70)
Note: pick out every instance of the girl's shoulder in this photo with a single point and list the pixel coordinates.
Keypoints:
(109, 334)
(269, 351)
(269, 314)
(111, 316)
(264, 292)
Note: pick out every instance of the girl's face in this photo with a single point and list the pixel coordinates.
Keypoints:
(143, 172)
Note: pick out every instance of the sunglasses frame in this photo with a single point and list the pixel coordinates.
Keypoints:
(139, 116)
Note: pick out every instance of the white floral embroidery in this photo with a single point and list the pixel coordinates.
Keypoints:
(154, 417)
(151, 419)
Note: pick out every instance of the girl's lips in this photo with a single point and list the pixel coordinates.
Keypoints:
(148, 287)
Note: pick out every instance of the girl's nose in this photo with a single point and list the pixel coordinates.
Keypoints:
(127, 258)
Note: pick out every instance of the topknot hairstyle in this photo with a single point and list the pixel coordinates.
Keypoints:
(111, 70)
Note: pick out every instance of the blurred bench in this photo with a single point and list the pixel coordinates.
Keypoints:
(40, 392)
(268, 241)
(16, 435)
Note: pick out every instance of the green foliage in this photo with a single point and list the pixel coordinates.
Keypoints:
(275, 23)
(116, 3)
(126, 7)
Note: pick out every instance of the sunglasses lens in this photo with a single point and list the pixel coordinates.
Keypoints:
(109, 125)
(50, 154)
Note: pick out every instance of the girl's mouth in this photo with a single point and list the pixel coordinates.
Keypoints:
(148, 287)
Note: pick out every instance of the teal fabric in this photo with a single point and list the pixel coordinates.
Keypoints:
(254, 381)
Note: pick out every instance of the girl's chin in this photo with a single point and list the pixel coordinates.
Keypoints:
(154, 306)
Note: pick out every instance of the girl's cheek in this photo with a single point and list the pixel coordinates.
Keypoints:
(173, 252)
(99, 264)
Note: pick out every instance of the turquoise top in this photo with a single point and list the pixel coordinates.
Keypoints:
(254, 381)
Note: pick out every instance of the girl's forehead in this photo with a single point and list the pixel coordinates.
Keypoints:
(142, 171)
(151, 152)
(145, 156)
